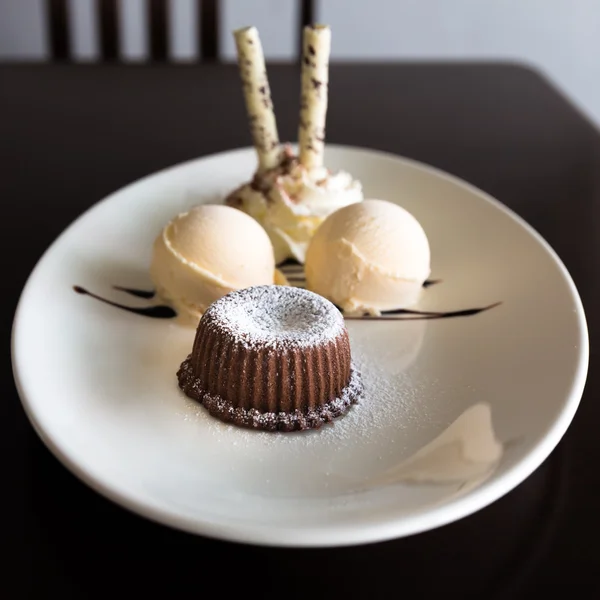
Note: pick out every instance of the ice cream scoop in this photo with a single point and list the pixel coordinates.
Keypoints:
(368, 258)
(207, 252)
(290, 196)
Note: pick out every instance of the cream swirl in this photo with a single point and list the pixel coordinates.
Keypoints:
(291, 201)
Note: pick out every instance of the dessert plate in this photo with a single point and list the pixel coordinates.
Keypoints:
(457, 411)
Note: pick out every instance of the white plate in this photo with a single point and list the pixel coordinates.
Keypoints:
(98, 383)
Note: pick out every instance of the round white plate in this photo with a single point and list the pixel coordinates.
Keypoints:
(457, 412)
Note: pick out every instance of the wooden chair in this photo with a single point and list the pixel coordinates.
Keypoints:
(107, 18)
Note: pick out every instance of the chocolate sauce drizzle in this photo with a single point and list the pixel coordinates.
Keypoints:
(294, 273)
(135, 292)
(430, 282)
(401, 314)
(404, 314)
(154, 312)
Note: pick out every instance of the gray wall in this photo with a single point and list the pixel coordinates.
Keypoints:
(559, 37)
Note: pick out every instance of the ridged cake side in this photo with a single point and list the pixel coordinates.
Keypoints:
(267, 379)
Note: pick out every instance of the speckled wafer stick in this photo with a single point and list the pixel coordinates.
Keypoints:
(258, 97)
(316, 46)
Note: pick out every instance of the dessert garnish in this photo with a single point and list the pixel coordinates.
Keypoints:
(290, 195)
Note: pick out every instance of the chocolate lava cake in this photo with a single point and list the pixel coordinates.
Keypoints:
(274, 358)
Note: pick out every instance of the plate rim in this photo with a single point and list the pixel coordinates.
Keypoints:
(339, 535)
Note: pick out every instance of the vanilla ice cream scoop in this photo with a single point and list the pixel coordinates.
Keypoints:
(207, 252)
(369, 257)
(291, 201)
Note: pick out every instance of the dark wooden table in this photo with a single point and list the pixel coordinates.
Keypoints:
(69, 135)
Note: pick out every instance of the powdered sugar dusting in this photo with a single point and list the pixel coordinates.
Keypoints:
(275, 316)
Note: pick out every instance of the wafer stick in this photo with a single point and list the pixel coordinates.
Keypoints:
(257, 94)
(316, 45)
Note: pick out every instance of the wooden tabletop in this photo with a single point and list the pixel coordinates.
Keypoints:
(69, 135)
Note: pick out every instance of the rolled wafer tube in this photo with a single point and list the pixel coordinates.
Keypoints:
(316, 45)
(257, 94)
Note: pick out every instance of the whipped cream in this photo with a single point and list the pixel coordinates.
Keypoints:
(291, 201)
